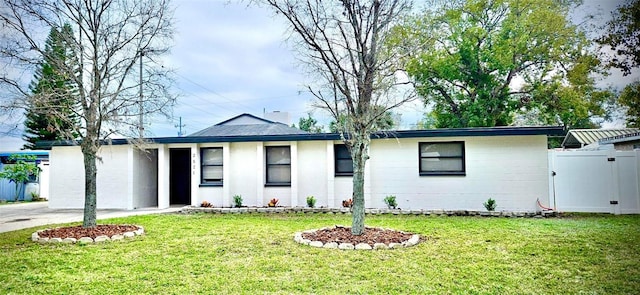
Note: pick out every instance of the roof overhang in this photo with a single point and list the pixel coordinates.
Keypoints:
(444, 132)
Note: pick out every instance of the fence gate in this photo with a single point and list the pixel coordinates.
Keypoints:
(595, 181)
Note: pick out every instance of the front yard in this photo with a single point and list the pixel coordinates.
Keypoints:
(256, 254)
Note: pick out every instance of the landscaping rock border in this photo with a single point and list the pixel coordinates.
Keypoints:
(87, 240)
(298, 238)
(371, 211)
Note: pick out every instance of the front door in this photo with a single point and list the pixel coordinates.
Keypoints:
(180, 176)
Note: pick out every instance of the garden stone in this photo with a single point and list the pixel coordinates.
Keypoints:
(35, 236)
(363, 246)
(346, 246)
(129, 234)
(306, 242)
(117, 237)
(317, 244)
(100, 239)
(69, 240)
(55, 240)
(85, 240)
(43, 240)
(331, 245)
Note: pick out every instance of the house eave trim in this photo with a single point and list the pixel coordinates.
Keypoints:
(447, 132)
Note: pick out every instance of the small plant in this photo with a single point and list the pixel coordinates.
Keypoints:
(490, 204)
(347, 203)
(311, 201)
(35, 197)
(206, 204)
(273, 202)
(390, 200)
(237, 201)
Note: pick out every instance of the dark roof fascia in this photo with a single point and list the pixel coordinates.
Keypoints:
(453, 132)
(476, 131)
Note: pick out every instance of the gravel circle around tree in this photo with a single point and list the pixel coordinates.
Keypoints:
(340, 237)
(79, 234)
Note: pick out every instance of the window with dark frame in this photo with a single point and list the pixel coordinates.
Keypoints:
(442, 158)
(278, 165)
(343, 163)
(211, 166)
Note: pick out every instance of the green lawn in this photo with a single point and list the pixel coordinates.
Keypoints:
(256, 254)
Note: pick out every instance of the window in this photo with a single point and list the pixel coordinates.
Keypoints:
(211, 169)
(343, 162)
(442, 158)
(278, 165)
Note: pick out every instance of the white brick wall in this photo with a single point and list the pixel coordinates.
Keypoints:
(510, 169)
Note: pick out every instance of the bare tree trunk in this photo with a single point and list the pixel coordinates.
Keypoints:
(90, 173)
(360, 155)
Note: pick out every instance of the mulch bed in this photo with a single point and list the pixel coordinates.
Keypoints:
(340, 234)
(78, 232)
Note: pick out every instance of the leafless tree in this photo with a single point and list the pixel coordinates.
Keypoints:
(344, 43)
(104, 66)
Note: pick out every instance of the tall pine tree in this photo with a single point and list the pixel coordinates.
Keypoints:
(51, 87)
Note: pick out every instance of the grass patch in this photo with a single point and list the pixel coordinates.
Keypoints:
(256, 254)
(6, 202)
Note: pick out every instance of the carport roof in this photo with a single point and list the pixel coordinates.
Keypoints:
(578, 138)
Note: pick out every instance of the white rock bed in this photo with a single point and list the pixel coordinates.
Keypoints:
(414, 240)
(87, 240)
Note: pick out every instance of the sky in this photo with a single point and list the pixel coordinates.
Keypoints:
(232, 59)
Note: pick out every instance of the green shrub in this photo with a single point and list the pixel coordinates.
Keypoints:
(490, 204)
(20, 172)
(237, 201)
(390, 200)
(311, 201)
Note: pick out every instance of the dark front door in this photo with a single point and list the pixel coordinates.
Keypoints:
(180, 176)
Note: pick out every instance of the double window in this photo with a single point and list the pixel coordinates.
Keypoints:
(211, 169)
(278, 165)
(343, 162)
(442, 158)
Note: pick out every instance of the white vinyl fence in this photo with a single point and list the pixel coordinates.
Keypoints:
(595, 181)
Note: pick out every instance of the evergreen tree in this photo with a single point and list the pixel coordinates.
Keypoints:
(51, 87)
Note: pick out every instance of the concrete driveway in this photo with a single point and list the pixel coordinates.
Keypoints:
(19, 216)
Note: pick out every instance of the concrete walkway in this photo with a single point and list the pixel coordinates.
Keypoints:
(26, 215)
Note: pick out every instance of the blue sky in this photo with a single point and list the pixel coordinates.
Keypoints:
(232, 59)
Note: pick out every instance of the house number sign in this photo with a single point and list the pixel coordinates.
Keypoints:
(193, 164)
